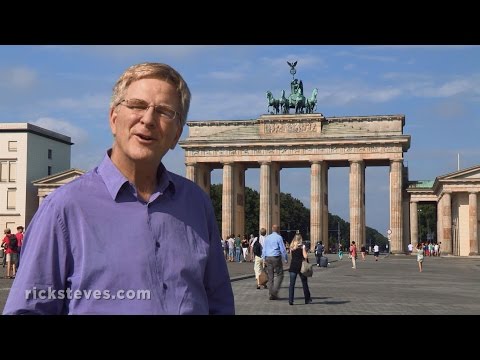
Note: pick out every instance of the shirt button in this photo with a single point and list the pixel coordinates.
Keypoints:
(157, 244)
(165, 286)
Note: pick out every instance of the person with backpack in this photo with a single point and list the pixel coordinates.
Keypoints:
(319, 252)
(10, 243)
(257, 248)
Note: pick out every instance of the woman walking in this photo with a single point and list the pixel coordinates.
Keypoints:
(298, 253)
(353, 254)
(420, 257)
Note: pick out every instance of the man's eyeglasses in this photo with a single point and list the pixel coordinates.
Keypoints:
(139, 107)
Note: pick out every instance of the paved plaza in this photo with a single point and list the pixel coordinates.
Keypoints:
(391, 286)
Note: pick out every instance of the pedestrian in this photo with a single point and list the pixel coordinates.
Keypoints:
(353, 254)
(340, 252)
(136, 237)
(272, 254)
(376, 251)
(319, 249)
(420, 255)
(363, 251)
(298, 254)
(19, 236)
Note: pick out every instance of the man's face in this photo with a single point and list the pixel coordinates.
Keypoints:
(145, 139)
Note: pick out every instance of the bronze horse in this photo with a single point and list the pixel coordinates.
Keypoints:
(311, 102)
(275, 103)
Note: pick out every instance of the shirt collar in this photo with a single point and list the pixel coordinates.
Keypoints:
(114, 179)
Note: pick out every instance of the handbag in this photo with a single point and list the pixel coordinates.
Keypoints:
(307, 269)
(263, 278)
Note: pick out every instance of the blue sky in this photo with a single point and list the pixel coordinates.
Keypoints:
(67, 89)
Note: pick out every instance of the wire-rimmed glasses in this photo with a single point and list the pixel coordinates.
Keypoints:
(139, 107)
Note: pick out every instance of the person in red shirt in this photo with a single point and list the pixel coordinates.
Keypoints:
(11, 254)
(19, 235)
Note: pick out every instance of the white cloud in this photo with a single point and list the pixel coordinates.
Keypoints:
(18, 78)
(128, 51)
(77, 134)
(414, 47)
(355, 55)
(85, 102)
(383, 95)
(227, 105)
(226, 75)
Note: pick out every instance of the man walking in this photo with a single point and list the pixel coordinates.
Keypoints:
(272, 254)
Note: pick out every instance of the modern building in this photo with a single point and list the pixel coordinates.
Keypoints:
(27, 153)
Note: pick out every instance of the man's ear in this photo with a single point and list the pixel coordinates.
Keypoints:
(113, 120)
(177, 137)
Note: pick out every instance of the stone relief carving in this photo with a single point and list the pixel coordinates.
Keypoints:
(290, 128)
(294, 150)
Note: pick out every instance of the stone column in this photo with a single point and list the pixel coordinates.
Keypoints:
(473, 223)
(191, 172)
(446, 246)
(203, 177)
(324, 201)
(406, 220)
(316, 202)
(239, 198)
(414, 223)
(228, 219)
(275, 190)
(265, 197)
(357, 227)
(396, 213)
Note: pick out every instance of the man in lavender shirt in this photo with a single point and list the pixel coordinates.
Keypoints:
(128, 237)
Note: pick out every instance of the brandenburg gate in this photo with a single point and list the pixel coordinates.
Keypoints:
(301, 140)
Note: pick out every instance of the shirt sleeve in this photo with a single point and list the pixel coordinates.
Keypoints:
(44, 266)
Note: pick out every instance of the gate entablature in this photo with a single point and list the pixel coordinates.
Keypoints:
(294, 138)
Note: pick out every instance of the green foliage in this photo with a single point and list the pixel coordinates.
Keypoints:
(252, 206)
(427, 221)
(216, 197)
(293, 216)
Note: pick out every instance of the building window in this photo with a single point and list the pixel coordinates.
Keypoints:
(4, 171)
(11, 199)
(12, 146)
(13, 171)
(49, 170)
(8, 171)
(49, 153)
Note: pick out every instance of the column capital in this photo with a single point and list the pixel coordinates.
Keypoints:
(317, 162)
(396, 160)
(227, 163)
(414, 201)
(473, 192)
(356, 161)
(191, 163)
(265, 162)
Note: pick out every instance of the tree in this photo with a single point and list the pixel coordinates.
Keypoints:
(293, 216)
(427, 220)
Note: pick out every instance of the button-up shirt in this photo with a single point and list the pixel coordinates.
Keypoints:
(94, 247)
